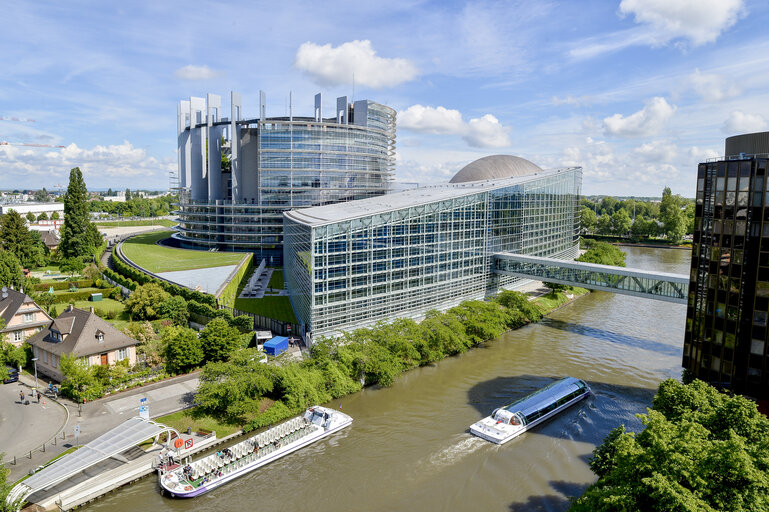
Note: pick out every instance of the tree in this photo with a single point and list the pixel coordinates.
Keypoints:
(588, 220)
(144, 302)
(77, 233)
(603, 225)
(604, 254)
(700, 450)
(175, 308)
(110, 193)
(11, 355)
(42, 216)
(30, 215)
(219, 340)
(181, 348)
(128, 194)
(26, 245)
(55, 216)
(79, 381)
(41, 196)
(620, 223)
(10, 270)
(150, 345)
(672, 216)
(554, 287)
(72, 266)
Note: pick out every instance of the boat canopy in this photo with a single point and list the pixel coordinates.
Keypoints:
(548, 398)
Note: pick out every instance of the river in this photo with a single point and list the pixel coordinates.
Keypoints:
(409, 447)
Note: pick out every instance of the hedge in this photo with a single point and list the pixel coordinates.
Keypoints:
(230, 292)
(242, 322)
(124, 281)
(64, 285)
(76, 296)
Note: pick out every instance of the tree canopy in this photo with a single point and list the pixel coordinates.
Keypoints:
(146, 301)
(78, 236)
(182, 349)
(10, 270)
(16, 238)
(700, 450)
(603, 253)
(219, 340)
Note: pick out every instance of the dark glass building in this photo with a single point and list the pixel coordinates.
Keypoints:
(726, 320)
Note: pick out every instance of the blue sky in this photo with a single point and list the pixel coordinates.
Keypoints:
(634, 91)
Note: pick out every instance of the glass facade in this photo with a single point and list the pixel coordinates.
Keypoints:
(728, 303)
(402, 261)
(287, 164)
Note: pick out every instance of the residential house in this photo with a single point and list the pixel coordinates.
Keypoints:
(51, 239)
(22, 316)
(84, 335)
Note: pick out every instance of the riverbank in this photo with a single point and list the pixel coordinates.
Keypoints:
(522, 310)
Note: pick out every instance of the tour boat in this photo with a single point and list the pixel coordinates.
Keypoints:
(510, 421)
(198, 477)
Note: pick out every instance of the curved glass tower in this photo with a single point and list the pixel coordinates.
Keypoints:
(238, 176)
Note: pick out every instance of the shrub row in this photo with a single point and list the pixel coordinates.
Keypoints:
(142, 278)
(119, 279)
(242, 322)
(82, 295)
(63, 285)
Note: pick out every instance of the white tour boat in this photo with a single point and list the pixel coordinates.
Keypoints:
(513, 420)
(198, 477)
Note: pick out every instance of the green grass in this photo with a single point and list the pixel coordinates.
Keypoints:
(278, 307)
(549, 302)
(104, 305)
(91, 290)
(276, 281)
(190, 418)
(126, 223)
(144, 251)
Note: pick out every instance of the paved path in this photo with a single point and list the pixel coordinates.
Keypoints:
(94, 418)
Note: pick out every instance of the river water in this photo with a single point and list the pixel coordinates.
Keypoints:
(409, 447)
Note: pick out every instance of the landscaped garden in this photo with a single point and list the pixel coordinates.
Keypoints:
(275, 306)
(145, 252)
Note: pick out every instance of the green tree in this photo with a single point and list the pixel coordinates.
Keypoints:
(700, 450)
(26, 245)
(175, 308)
(603, 225)
(554, 287)
(145, 301)
(588, 220)
(55, 216)
(110, 193)
(11, 355)
(10, 270)
(620, 223)
(79, 382)
(77, 233)
(41, 196)
(182, 349)
(30, 215)
(128, 195)
(42, 216)
(672, 216)
(72, 266)
(604, 254)
(219, 340)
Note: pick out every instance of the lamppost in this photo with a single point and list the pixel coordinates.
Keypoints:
(34, 360)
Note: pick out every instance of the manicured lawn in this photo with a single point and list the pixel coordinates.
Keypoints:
(276, 281)
(129, 223)
(104, 305)
(189, 418)
(144, 251)
(91, 290)
(278, 307)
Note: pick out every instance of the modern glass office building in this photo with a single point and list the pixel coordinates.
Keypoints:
(728, 309)
(237, 176)
(353, 264)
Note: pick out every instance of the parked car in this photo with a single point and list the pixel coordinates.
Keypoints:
(11, 375)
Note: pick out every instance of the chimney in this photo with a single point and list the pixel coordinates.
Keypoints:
(70, 307)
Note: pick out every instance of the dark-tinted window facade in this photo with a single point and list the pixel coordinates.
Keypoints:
(728, 305)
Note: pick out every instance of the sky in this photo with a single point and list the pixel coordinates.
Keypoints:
(636, 92)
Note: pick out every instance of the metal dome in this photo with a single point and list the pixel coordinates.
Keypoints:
(495, 167)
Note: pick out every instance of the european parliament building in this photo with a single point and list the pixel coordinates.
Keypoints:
(352, 264)
(237, 175)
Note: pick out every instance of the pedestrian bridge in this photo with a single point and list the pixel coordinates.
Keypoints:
(606, 278)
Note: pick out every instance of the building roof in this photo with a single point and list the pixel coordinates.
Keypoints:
(329, 214)
(495, 167)
(10, 303)
(80, 331)
(50, 238)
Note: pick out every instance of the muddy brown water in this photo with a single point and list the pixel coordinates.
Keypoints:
(409, 447)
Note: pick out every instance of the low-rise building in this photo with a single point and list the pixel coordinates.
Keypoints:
(21, 315)
(84, 335)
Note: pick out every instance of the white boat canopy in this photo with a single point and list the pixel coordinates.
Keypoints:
(126, 435)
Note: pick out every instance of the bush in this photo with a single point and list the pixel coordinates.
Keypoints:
(68, 298)
(145, 302)
(64, 285)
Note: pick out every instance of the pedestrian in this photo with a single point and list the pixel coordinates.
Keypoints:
(21, 397)
(38, 397)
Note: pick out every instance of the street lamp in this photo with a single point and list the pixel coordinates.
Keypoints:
(34, 360)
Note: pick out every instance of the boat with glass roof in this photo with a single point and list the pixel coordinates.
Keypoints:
(194, 478)
(512, 420)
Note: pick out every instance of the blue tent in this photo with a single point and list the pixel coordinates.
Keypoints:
(276, 345)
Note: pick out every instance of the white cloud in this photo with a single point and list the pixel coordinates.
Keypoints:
(740, 122)
(698, 154)
(483, 132)
(192, 72)
(712, 87)
(329, 66)
(658, 151)
(438, 120)
(487, 132)
(121, 162)
(699, 21)
(648, 121)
